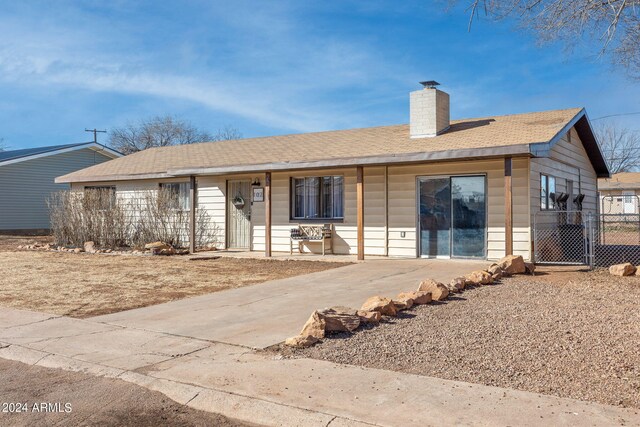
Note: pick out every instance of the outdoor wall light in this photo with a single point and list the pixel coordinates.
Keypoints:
(256, 182)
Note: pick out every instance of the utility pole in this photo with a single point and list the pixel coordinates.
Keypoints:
(95, 133)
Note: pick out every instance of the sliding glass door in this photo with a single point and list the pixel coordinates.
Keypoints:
(452, 217)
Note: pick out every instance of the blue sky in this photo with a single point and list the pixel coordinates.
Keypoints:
(276, 67)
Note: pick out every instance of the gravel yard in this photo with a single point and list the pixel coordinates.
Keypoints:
(566, 333)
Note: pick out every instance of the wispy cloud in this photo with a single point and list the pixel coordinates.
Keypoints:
(280, 80)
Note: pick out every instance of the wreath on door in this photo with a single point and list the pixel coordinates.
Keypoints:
(238, 201)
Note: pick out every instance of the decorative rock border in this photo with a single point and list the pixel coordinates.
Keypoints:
(345, 319)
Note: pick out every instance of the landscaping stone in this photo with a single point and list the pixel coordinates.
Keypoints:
(301, 341)
(459, 283)
(403, 301)
(89, 247)
(369, 316)
(383, 305)
(512, 264)
(77, 250)
(420, 297)
(438, 291)
(626, 269)
(480, 277)
(157, 245)
(339, 319)
(530, 268)
(166, 252)
(637, 270)
(314, 327)
(495, 269)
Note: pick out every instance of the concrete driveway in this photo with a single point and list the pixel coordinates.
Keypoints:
(262, 315)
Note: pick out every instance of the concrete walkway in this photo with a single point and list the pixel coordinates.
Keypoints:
(263, 315)
(257, 387)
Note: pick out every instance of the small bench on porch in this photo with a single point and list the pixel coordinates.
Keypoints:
(312, 233)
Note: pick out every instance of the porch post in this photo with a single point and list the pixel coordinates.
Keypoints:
(508, 207)
(267, 214)
(192, 214)
(360, 210)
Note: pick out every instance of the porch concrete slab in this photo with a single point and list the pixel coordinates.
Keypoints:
(262, 315)
(380, 397)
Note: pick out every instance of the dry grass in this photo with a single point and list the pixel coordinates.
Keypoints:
(85, 285)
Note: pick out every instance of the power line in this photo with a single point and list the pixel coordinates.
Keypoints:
(615, 115)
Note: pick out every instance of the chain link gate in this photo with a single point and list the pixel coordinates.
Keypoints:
(563, 237)
(583, 238)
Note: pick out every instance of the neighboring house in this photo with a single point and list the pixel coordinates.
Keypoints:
(433, 188)
(620, 193)
(27, 179)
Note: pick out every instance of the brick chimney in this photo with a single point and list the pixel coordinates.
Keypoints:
(428, 111)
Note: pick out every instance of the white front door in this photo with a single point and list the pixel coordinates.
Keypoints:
(629, 202)
(239, 214)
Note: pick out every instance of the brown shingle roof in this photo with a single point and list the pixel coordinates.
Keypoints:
(467, 138)
(620, 181)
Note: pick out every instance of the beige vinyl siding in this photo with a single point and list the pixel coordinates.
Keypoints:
(345, 236)
(25, 186)
(567, 161)
(403, 207)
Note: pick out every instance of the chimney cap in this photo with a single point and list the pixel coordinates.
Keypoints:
(430, 84)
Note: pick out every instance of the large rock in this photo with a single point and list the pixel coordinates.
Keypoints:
(384, 306)
(157, 245)
(458, 284)
(403, 301)
(166, 252)
(626, 269)
(339, 319)
(530, 268)
(512, 264)
(301, 341)
(89, 247)
(369, 316)
(418, 297)
(480, 277)
(314, 327)
(495, 269)
(438, 291)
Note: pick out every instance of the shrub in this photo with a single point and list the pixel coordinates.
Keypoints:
(98, 215)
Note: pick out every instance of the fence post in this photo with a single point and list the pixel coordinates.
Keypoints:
(592, 234)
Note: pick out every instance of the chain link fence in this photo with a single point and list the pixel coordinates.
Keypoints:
(584, 238)
(616, 239)
(562, 237)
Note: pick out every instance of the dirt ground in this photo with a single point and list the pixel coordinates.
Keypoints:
(94, 401)
(563, 332)
(85, 285)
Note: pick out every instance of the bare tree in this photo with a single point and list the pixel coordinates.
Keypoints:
(3, 146)
(227, 133)
(162, 131)
(620, 146)
(615, 23)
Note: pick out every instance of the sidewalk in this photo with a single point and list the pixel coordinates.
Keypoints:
(252, 386)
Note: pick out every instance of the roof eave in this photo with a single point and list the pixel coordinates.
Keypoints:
(113, 154)
(391, 159)
(583, 126)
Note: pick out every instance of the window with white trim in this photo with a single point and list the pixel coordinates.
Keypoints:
(547, 189)
(180, 194)
(317, 197)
